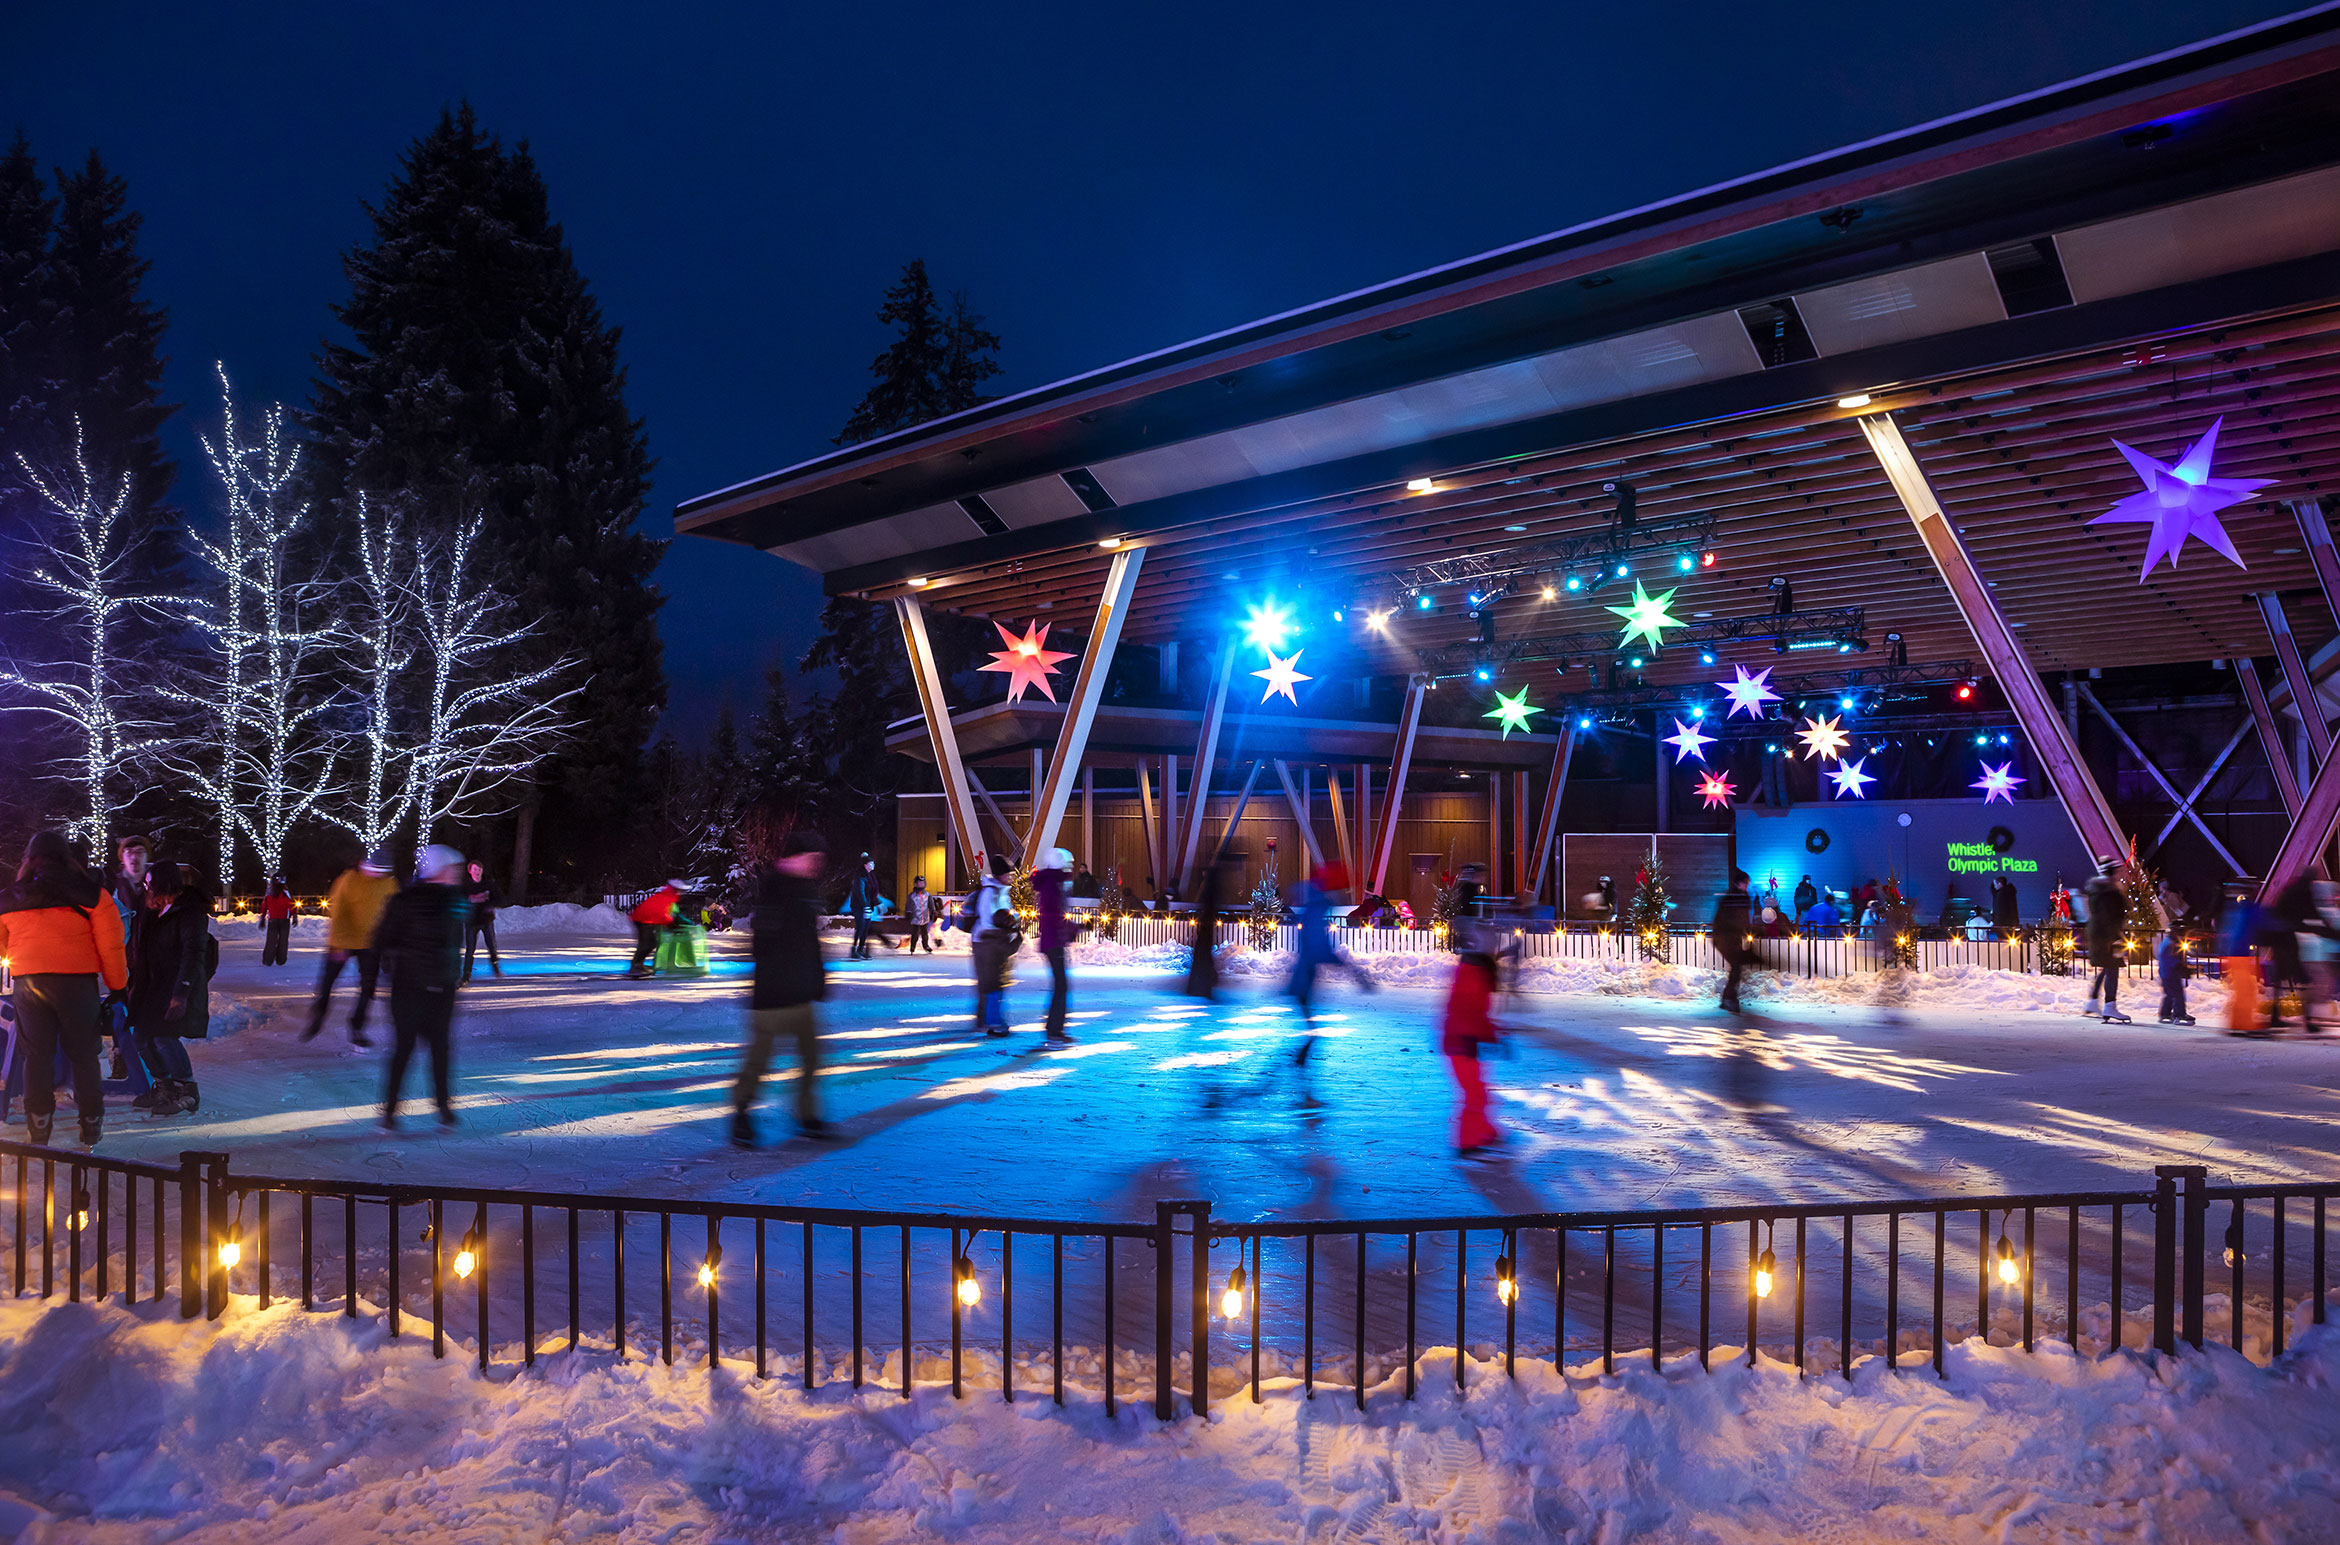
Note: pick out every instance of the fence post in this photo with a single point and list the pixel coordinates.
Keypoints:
(2165, 1231)
(1201, 1399)
(2197, 1215)
(2178, 1224)
(191, 1244)
(1163, 1212)
(215, 1200)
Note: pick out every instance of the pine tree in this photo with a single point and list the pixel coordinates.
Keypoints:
(480, 376)
(1645, 908)
(28, 218)
(1267, 908)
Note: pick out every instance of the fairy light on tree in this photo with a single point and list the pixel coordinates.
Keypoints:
(382, 643)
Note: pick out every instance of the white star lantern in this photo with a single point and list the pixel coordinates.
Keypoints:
(1748, 693)
(1687, 742)
(1823, 739)
(2181, 501)
(1849, 778)
(1280, 676)
(1997, 782)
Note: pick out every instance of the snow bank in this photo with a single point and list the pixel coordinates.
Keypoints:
(563, 917)
(125, 1425)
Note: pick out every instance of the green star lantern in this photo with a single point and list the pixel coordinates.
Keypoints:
(1645, 616)
(1513, 711)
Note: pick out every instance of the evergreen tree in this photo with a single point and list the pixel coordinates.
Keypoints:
(1645, 908)
(479, 375)
(28, 217)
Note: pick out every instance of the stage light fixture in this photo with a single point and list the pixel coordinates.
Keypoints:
(1966, 691)
(1584, 723)
(1575, 583)
(1706, 559)
(1268, 626)
(1484, 674)
(1378, 621)
(1685, 563)
(1551, 594)
(1624, 570)
(1422, 603)
(1706, 657)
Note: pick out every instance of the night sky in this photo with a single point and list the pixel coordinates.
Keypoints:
(740, 183)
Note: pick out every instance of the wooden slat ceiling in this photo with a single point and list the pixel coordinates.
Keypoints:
(2022, 457)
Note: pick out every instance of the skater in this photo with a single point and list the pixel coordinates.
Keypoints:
(421, 940)
(2283, 925)
(1806, 894)
(2319, 949)
(1733, 917)
(2108, 917)
(1468, 1029)
(127, 885)
(63, 949)
(861, 899)
(1314, 952)
(650, 917)
(1202, 968)
(2006, 916)
(2170, 956)
(480, 895)
(996, 942)
(276, 913)
(170, 988)
(919, 909)
(352, 910)
(789, 980)
(1056, 936)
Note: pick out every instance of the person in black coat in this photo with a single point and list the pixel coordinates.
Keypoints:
(2006, 917)
(170, 987)
(1733, 919)
(861, 899)
(789, 980)
(2108, 922)
(479, 893)
(420, 941)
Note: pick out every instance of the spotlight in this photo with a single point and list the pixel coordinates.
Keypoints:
(1844, 702)
(1856, 400)
(1231, 1302)
(1706, 657)
(1574, 583)
(1109, 543)
(1422, 603)
(1584, 723)
(1378, 621)
(1477, 599)
(1340, 614)
(1982, 740)
(1268, 625)
(1484, 674)
(1635, 662)
(920, 583)
(1706, 559)
(1685, 563)
(1697, 713)
(1550, 594)
(1966, 691)
(2002, 740)
(1623, 569)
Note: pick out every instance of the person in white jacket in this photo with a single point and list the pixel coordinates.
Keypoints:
(996, 941)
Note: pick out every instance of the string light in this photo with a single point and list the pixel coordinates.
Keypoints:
(467, 1253)
(1765, 1267)
(712, 1264)
(1232, 1301)
(80, 1209)
(1506, 1281)
(968, 1291)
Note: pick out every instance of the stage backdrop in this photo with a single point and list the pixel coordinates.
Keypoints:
(1946, 842)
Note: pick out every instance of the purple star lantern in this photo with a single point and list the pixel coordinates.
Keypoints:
(2181, 501)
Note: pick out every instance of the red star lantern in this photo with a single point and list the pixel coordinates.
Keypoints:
(1027, 661)
(1716, 790)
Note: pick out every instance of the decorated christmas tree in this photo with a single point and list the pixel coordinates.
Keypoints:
(1896, 924)
(1645, 908)
(2137, 889)
(1267, 908)
(1444, 905)
(1105, 920)
(1024, 899)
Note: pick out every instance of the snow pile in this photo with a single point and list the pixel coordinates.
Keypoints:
(124, 1425)
(563, 917)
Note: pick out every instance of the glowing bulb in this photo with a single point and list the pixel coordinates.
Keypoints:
(706, 1274)
(2009, 1272)
(1231, 1302)
(920, 583)
(1506, 1282)
(231, 1250)
(1764, 1268)
(1421, 485)
(1378, 621)
(970, 1291)
(1109, 543)
(464, 1261)
(1551, 594)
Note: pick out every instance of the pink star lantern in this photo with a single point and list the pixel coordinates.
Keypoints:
(1027, 660)
(1997, 782)
(1748, 693)
(1716, 790)
(2181, 501)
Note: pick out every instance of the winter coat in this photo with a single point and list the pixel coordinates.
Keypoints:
(354, 906)
(656, 910)
(175, 960)
(787, 928)
(130, 900)
(276, 908)
(862, 895)
(919, 908)
(991, 898)
(421, 937)
(1470, 1000)
(2004, 910)
(2108, 919)
(1806, 894)
(1820, 914)
(1733, 917)
(1056, 930)
(483, 900)
(62, 924)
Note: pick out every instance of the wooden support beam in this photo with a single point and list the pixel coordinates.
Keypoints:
(2270, 734)
(1242, 803)
(2304, 700)
(1170, 819)
(1363, 788)
(1153, 835)
(2051, 738)
(1014, 840)
(2303, 846)
(1300, 814)
(1206, 756)
(1548, 824)
(1401, 757)
(1332, 793)
(1032, 789)
(2318, 537)
(2184, 807)
(1088, 689)
(1089, 819)
(940, 732)
(1519, 835)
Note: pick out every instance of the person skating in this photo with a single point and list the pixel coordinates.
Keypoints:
(2170, 956)
(170, 988)
(2108, 919)
(481, 901)
(651, 916)
(994, 946)
(861, 899)
(353, 908)
(1733, 917)
(789, 980)
(1202, 966)
(127, 885)
(1313, 950)
(1468, 1030)
(276, 915)
(2283, 924)
(1056, 936)
(421, 941)
(64, 947)
(2006, 913)
(918, 908)
(1805, 894)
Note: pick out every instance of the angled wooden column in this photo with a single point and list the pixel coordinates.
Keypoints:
(1089, 819)
(2270, 734)
(1332, 794)
(1206, 755)
(1363, 789)
(2317, 535)
(1519, 833)
(1242, 803)
(1015, 843)
(1171, 815)
(940, 733)
(2311, 831)
(2304, 700)
(1300, 815)
(2052, 740)
(1548, 824)
(1153, 832)
(1088, 690)
(1401, 757)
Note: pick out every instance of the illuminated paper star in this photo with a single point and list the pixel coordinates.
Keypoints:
(1027, 661)
(1997, 782)
(1849, 778)
(1645, 616)
(1513, 711)
(1823, 739)
(1716, 790)
(2181, 501)
(1749, 693)
(1281, 677)
(1687, 742)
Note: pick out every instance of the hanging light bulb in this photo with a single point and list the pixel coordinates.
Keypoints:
(2234, 1243)
(80, 1209)
(467, 1253)
(709, 1266)
(1765, 1267)
(2009, 1272)
(231, 1246)
(1231, 1302)
(1506, 1281)
(969, 1291)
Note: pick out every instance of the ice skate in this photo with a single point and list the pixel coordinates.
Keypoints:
(2115, 1017)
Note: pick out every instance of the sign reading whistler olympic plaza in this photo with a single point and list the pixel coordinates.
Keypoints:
(1978, 858)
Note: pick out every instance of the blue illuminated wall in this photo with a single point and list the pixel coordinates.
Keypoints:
(1866, 839)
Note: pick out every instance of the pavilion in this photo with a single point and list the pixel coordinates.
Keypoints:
(1851, 421)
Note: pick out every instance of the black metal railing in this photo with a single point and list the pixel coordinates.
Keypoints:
(1315, 1300)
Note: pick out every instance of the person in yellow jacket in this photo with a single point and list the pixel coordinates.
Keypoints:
(62, 939)
(352, 908)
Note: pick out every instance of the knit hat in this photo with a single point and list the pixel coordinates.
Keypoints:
(438, 858)
(378, 861)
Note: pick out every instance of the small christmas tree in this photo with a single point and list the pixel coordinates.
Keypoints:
(2137, 890)
(1105, 920)
(1024, 899)
(1896, 924)
(1645, 908)
(1267, 908)
(1444, 906)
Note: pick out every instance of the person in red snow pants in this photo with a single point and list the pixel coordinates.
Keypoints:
(1470, 1028)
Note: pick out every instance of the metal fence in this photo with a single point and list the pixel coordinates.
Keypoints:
(818, 1294)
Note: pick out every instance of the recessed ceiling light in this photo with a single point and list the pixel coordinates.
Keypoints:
(1523, 528)
(1856, 400)
(920, 583)
(1702, 614)
(1421, 485)
(1110, 542)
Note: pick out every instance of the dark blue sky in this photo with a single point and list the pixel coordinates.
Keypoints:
(740, 182)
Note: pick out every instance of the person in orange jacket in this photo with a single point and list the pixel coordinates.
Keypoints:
(63, 943)
(650, 914)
